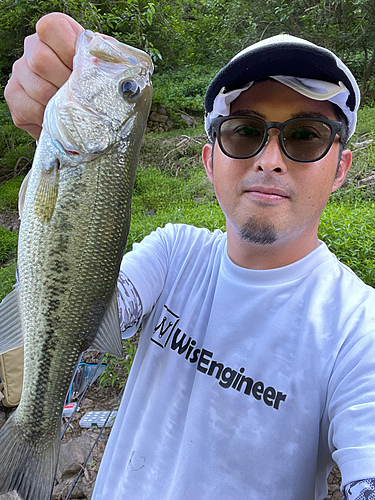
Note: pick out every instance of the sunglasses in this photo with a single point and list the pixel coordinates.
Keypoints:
(301, 139)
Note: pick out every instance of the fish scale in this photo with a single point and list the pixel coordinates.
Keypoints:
(74, 225)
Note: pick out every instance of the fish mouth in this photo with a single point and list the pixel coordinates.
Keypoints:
(110, 50)
(77, 153)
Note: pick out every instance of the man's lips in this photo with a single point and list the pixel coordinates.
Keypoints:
(266, 193)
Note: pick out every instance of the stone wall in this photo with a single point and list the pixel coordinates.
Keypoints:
(161, 119)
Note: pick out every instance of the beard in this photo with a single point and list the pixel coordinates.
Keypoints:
(260, 231)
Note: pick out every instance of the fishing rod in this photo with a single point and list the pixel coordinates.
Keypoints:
(95, 442)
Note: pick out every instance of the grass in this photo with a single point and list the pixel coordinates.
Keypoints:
(348, 229)
(7, 278)
(8, 244)
(9, 194)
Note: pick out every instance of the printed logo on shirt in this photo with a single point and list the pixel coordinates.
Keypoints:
(163, 331)
(166, 333)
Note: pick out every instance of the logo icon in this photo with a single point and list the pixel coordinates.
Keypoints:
(164, 329)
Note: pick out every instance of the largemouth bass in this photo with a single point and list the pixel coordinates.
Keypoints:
(74, 225)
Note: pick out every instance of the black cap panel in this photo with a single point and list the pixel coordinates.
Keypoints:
(286, 59)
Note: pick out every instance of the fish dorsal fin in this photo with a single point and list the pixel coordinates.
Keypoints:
(22, 193)
(10, 323)
(108, 338)
(47, 190)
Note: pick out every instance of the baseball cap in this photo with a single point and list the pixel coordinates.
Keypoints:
(313, 71)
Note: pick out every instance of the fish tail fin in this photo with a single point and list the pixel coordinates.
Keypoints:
(27, 464)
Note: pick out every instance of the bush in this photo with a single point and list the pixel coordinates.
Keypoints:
(8, 244)
(117, 371)
(366, 122)
(9, 193)
(349, 232)
(16, 146)
(7, 278)
(183, 89)
(153, 191)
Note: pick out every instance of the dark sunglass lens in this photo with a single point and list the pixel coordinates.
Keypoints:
(306, 140)
(241, 137)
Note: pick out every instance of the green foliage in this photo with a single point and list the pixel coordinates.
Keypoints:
(349, 232)
(365, 124)
(363, 147)
(7, 278)
(117, 371)
(153, 191)
(8, 244)
(160, 198)
(199, 35)
(16, 147)
(9, 193)
(183, 89)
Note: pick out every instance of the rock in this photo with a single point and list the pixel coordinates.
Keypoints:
(187, 119)
(162, 110)
(73, 454)
(10, 221)
(61, 491)
(157, 117)
(337, 495)
(10, 496)
(170, 124)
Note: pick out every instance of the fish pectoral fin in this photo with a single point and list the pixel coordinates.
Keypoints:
(10, 323)
(46, 191)
(22, 194)
(108, 338)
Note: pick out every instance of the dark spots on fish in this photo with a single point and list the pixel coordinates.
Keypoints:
(54, 304)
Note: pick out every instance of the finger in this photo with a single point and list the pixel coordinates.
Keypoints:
(59, 32)
(39, 59)
(36, 87)
(26, 112)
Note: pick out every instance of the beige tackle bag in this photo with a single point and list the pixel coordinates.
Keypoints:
(11, 375)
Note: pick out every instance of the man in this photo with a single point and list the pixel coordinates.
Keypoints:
(255, 367)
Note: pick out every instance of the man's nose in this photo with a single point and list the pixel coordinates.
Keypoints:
(271, 158)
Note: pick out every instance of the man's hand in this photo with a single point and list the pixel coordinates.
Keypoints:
(44, 67)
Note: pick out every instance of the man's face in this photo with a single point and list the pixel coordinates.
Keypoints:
(268, 199)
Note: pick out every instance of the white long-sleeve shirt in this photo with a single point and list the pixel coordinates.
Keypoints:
(246, 383)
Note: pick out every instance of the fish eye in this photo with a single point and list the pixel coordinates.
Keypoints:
(129, 88)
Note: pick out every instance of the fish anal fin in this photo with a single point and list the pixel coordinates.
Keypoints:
(108, 338)
(46, 191)
(10, 323)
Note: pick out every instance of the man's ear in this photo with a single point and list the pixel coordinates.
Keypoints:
(342, 170)
(207, 161)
